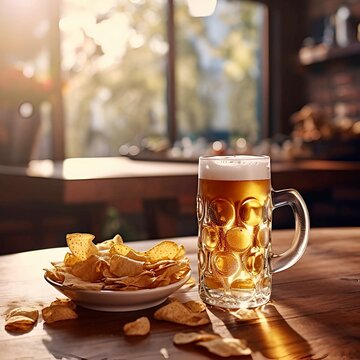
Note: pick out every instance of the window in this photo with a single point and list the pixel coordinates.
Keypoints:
(219, 72)
(114, 61)
(144, 73)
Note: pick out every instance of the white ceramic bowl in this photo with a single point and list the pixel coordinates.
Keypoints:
(109, 300)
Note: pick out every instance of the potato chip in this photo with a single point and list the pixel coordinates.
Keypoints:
(175, 271)
(140, 326)
(119, 249)
(65, 302)
(90, 269)
(226, 347)
(195, 306)
(107, 244)
(165, 250)
(141, 281)
(55, 275)
(21, 319)
(136, 255)
(70, 259)
(160, 266)
(123, 266)
(191, 337)
(81, 245)
(75, 282)
(58, 312)
(124, 250)
(178, 313)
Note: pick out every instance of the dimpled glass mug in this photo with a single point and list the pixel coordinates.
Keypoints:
(234, 208)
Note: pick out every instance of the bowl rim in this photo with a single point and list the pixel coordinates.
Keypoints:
(124, 292)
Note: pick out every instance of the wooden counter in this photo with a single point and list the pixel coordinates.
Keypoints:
(92, 180)
(47, 198)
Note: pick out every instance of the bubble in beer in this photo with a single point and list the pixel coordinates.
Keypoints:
(263, 237)
(221, 212)
(200, 208)
(225, 263)
(268, 209)
(202, 260)
(255, 261)
(243, 284)
(266, 286)
(238, 239)
(212, 282)
(210, 237)
(250, 212)
(243, 287)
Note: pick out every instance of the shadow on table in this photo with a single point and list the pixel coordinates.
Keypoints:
(95, 335)
(265, 331)
(333, 312)
(98, 336)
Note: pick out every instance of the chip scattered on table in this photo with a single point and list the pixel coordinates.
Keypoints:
(195, 306)
(112, 265)
(214, 343)
(139, 327)
(21, 319)
(179, 313)
(58, 310)
(191, 337)
(226, 347)
(65, 302)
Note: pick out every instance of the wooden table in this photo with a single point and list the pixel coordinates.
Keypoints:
(314, 313)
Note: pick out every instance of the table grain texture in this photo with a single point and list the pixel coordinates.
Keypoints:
(314, 312)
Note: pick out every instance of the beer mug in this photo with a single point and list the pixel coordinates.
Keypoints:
(234, 208)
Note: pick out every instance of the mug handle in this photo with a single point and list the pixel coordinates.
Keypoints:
(291, 197)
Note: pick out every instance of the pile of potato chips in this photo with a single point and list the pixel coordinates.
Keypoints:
(112, 265)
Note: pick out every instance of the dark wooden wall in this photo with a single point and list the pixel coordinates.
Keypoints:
(335, 82)
(286, 86)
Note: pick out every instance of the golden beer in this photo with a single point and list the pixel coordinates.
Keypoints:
(234, 210)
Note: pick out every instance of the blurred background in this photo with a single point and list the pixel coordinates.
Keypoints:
(158, 81)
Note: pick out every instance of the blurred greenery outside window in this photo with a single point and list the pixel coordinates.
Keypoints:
(115, 63)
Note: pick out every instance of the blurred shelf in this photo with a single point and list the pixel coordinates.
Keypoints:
(321, 53)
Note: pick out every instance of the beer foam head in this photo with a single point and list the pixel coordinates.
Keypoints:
(236, 167)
